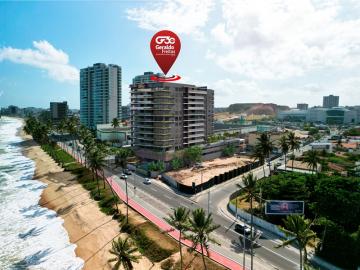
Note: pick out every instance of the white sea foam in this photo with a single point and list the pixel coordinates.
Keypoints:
(31, 236)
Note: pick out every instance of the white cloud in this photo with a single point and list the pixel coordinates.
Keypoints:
(278, 39)
(44, 56)
(182, 16)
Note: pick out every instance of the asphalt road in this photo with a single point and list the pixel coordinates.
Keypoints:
(164, 198)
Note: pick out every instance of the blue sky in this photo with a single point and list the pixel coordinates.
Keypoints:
(275, 51)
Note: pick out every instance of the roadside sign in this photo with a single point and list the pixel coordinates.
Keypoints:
(276, 207)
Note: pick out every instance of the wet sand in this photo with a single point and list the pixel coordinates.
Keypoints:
(90, 229)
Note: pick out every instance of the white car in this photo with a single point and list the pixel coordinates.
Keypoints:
(123, 176)
(147, 181)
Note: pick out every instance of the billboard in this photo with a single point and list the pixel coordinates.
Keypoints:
(274, 207)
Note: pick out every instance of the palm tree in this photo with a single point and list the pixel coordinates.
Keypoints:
(115, 123)
(96, 163)
(124, 252)
(264, 146)
(312, 159)
(61, 128)
(121, 156)
(201, 226)
(249, 186)
(284, 146)
(294, 144)
(71, 126)
(179, 220)
(298, 229)
(259, 155)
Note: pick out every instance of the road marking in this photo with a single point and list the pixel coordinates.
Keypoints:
(268, 249)
(166, 196)
(260, 244)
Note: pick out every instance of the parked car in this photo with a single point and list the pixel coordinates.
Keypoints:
(240, 229)
(123, 176)
(127, 172)
(147, 181)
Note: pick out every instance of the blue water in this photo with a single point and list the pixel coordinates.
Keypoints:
(31, 236)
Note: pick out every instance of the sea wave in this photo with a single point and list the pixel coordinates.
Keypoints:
(32, 237)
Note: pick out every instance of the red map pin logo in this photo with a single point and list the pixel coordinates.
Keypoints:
(165, 47)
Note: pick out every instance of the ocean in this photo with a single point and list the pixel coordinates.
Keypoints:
(31, 236)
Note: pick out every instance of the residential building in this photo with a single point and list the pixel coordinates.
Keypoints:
(100, 94)
(302, 106)
(319, 146)
(166, 117)
(330, 101)
(125, 113)
(58, 111)
(119, 135)
(139, 79)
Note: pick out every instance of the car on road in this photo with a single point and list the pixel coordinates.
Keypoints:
(147, 181)
(127, 172)
(241, 228)
(123, 176)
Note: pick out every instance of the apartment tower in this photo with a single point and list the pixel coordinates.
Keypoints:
(100, 94)
(166, 117)
(58, 111)
(330, 101)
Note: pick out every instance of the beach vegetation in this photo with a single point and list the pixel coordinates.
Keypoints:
(124, 252)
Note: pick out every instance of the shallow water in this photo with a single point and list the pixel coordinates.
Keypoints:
(31, 236)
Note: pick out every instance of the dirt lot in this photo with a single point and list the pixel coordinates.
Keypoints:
(209, 170)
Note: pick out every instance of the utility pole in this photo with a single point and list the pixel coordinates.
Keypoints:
(127, 201)
(244, 245)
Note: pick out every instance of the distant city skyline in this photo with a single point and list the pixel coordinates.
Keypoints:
(283, 52)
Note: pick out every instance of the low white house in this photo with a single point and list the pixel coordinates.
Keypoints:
(120, 135)
(319, 146)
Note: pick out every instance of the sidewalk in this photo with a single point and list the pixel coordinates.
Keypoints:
(214, 255)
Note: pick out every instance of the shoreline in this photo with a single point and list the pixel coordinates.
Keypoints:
(87, 227)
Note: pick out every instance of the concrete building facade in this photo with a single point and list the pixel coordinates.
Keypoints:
(100, 94)
(302, 106)
(331, 116)
(166, 117)
(145, 78)
(330, 101)
(58, 111)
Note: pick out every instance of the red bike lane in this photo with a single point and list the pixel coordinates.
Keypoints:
(163, 225)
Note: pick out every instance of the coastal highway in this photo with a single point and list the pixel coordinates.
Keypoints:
(159, 199)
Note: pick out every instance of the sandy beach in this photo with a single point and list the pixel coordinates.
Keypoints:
(90, 229)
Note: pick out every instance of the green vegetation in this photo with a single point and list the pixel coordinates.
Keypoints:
(220, 137)
(147, 247)
(333, 199)
(156, 166)
(192, 154)
(124, 252)
(107, 200)
(352, 132)
(297, 228)
(201, 226)
(115, 123)
(177, 163)
(179, 219)
(168, 264)
(229, 151)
